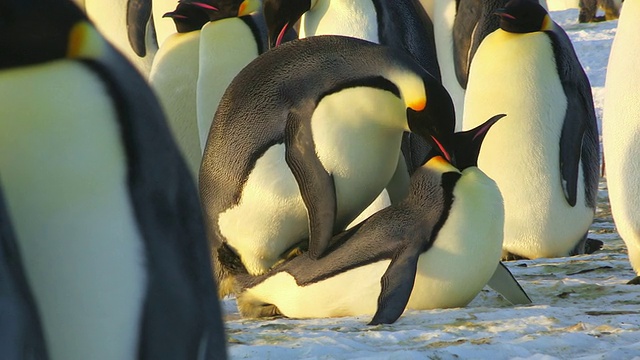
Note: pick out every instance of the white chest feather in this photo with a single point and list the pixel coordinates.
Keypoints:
(621, 130)
(64, 173)
(173, 76)
(516, 74)
(467, 249)
(226, 47)
(355, 18)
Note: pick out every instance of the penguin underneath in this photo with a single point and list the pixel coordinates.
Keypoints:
(104, 210)
(178, 63)
(436, 249)
(20, 329)
(305, 137)
(549, 178)
(620, 131)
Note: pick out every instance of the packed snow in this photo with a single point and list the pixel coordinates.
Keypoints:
(582, 307)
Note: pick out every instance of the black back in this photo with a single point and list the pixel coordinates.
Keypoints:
(21, 335)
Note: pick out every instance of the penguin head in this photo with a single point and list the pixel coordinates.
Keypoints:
(280, 15)
(523, 16)
(433, 118)
(33, 32)
(191, 15)
(467, 144)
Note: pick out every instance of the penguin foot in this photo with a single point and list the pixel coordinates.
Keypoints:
(507, 256)
(634, 281)
(227, 265)
(592, 245)
(249, 308)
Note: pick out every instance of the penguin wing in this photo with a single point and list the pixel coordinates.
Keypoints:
(397, 285)
(138, 16)
(21, 334)
(316, 184)
(578, 140)
(464, 27)
(506, 285)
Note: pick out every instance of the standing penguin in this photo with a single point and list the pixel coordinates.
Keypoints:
(215, 54)
(305, 137)
(436, 249)
(20, 328)
(549, 178)
(620, 131)
(104, 210)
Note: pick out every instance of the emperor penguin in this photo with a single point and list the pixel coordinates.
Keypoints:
(177, 66)
(436, 249)
(549, 177)
(459, 26)
(104, 210)
(20, 329)
(620, 131)
(305, 137)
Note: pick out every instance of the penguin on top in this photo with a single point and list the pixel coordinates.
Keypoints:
(549, 178)
(305, 137)
(103, 208)
(620, 131)
(435, 249)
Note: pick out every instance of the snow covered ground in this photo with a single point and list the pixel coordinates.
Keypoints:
(582, 308)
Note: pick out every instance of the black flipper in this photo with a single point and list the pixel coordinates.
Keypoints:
(397, 285)
(138, 16)
(579, 140)
(21, 334)
(315, 183)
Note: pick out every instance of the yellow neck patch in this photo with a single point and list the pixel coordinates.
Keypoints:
(85, 42)
(547, 23)
(440, 164)
(248, 7)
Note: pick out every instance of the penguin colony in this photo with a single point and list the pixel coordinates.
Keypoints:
(103, 234)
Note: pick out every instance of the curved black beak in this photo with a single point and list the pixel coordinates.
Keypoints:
(467, 144)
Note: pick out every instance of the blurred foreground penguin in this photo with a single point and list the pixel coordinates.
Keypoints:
(621, 131)
(305, 137)
(436, 249)
(549, 177)
(104, 210)
(20, 327)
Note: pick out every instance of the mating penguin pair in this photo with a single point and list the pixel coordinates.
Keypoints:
(620, 131)
(305, 137)
(105, 214)
(549, 177)
(436, 249)
(194, 66)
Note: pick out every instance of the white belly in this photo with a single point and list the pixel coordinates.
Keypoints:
(355, 18)
(621, 130)
(173, 76)
(64, 174)
(351, 293)
(521, 152)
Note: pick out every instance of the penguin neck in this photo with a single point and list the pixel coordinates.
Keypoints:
(355, 18)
